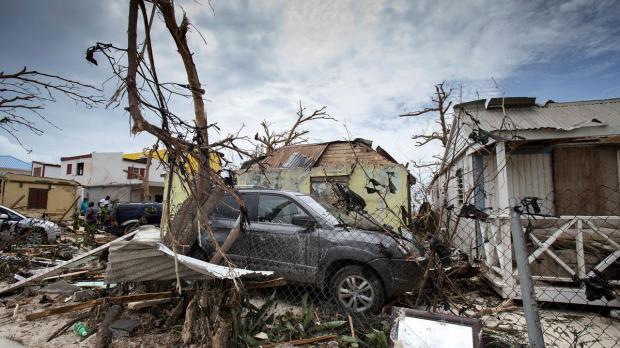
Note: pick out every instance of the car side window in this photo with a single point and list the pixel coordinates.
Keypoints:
(277, 209)
(227, 208)
(12, 217)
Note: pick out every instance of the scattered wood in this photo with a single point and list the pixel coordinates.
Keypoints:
(146, 303)
(176, 314)
(302, 341)
(351, 325)
(93, 303)
(66, 275)
(58, 269)
(105, 335)
(67, 325)
(505, 306)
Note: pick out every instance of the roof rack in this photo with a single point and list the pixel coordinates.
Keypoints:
(241, 187)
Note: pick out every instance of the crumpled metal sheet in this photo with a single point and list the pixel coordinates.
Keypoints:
(145, 258)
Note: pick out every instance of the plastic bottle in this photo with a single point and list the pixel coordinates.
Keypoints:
(80, 329)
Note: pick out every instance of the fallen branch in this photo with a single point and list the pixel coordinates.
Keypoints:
(105, 336)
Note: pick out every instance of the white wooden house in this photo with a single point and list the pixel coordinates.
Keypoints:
(567, 155)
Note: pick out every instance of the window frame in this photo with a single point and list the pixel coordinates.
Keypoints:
(69, 168)
(79, 169)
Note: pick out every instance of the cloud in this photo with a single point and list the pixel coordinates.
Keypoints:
(367, 61)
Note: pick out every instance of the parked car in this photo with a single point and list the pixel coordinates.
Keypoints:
(125, 217)
(299, 238)
(35, 231)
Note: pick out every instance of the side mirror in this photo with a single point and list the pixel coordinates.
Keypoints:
(4, 217)
(303, 221)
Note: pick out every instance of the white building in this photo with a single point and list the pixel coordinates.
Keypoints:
(562, 162)
(114, 174)
(45, 170)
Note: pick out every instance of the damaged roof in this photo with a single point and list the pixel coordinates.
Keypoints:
(326, 154)
(524, 114)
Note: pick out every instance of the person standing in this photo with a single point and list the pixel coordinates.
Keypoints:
(103, 203)
(91, 214)
(84, 206)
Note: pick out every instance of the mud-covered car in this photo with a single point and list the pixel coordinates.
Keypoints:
(16, 226)
(300, 239)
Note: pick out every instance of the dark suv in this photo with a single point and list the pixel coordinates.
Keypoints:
(125, 217)
(299, 238)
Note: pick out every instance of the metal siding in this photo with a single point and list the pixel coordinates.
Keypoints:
(560, 116)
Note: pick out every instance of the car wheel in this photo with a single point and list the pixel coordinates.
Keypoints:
(131, 227)
(36, 236)
(357, 289)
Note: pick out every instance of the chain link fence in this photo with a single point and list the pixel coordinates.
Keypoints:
(339, 268)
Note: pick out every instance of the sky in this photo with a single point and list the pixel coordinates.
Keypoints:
(367, 61)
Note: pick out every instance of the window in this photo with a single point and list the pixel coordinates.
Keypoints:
(322, 186)
(227, 208)
(37, 198)
(36, 171)
(69, 168)
(277, 209)
(12, 215)
(135, 173)
(460, 186)
(80, 169)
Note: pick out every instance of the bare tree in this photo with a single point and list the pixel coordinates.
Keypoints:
(187, 144)
(23, 95)
(271, 140)
(441, 106)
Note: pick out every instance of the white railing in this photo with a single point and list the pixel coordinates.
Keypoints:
(581, 231)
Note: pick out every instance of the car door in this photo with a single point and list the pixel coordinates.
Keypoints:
(278, 244)
(223, 220)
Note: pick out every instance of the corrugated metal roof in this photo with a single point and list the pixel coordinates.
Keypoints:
(282, 155)
(146, 258)
(560, 116)
(11, 162)
(298, 160)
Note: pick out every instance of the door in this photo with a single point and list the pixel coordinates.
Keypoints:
(586, 180)
(280, 246)
(223, 220)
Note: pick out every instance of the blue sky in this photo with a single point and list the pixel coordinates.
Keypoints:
(367, 61)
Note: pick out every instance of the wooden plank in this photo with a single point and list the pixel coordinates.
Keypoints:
(93, 303)
(68, 209)
(553, 255)
(586, 180)
(146, 303)
(57, 269)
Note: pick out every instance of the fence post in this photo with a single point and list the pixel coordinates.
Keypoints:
(530, 307)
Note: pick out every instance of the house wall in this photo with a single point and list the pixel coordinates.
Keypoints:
(60, 195)
(46, 170)
(299, 179)
(109, 168)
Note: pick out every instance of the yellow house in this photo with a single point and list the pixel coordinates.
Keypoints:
(178, 192)
(312, 169)
(36, 196)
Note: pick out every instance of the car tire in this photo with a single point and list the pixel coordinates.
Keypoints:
(130, 228)
(358, 289)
